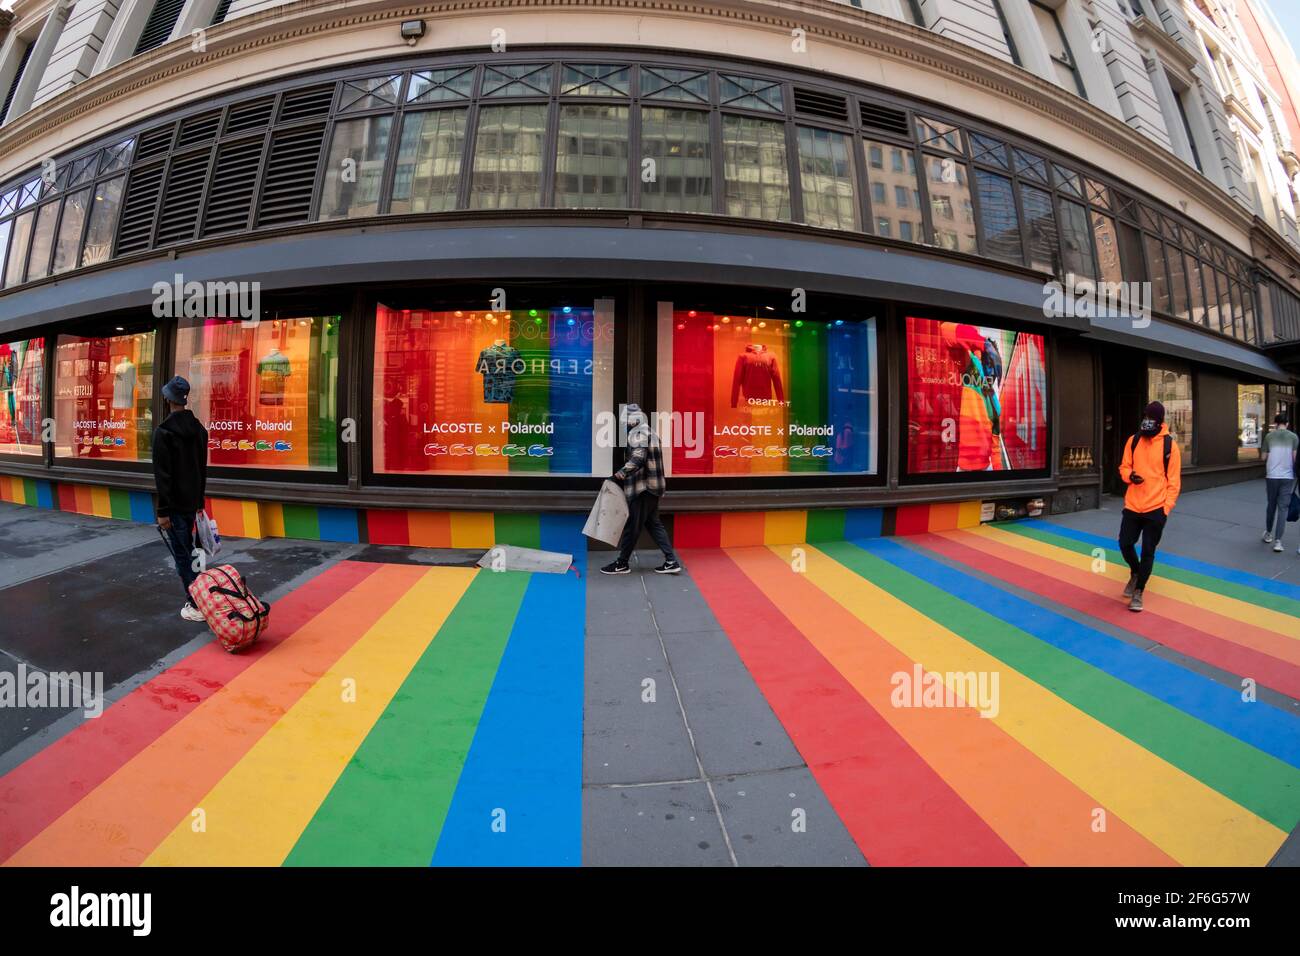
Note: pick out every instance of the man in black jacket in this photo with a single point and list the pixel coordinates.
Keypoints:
(180, 471)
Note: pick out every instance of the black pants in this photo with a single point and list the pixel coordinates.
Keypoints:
(1149, 526)
(643, 512)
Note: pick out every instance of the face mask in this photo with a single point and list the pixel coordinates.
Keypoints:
(1149, 426)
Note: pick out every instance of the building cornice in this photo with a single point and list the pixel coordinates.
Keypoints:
(822, 20)
(1173, 53)
(1240, 110)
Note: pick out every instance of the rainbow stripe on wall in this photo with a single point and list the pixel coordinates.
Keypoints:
(243, 518)
(743, 529)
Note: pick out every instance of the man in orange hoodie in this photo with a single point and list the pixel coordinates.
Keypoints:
(1152, 468)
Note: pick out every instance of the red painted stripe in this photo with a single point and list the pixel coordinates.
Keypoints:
(67, 498)
(39, 791)
(387, 526)
(1171, 632)
(697, 530)
(897, 809)
(911, 519)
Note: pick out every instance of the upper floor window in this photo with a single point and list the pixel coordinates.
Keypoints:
(1058, 48)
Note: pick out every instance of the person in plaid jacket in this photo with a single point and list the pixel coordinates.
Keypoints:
(643, 483)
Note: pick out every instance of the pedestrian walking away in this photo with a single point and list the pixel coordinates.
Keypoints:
(643, 484)
(180, 471)
(1280, 446)
(1152, 470)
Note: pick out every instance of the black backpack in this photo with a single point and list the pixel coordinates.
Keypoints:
(1169, 444)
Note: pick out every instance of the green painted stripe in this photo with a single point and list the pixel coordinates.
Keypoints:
(119, 503)
(826, 525)
(388, 806)
(1256, 780)
(29, 492)
(1242, 592)
(301, 521)
(521, 530)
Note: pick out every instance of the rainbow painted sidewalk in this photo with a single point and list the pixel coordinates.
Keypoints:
(400, 714)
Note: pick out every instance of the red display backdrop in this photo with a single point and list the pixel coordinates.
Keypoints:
(22, 366)
(977, 398)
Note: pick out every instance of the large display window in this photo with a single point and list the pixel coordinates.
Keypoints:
(748, 394)
(103, 395)
(977, 398)
(1250, 422)
(22, 369)
(470, 391)
(1173, 389)
(267, 392)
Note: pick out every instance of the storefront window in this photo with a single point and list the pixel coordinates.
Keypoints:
(591, 156)
(38, 266)
(826, 173)
(678, 142)
(754, 166)
(508, 157)
(22, 232)
(507, 392)
(428, 161)
(895, 196)
(74, 217)
(265, 392)
(103, 221)
(753, 395)
(1250, 418)
(1174, 391)
(103, 396)
(354, 169)
(22, 370)
(1040, 222)
(999, 222)
(977, 398)
(951, 213)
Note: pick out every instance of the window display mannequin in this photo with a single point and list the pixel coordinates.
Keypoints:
(124, 377)
(273, 372)
(499, 364)
(757, 375)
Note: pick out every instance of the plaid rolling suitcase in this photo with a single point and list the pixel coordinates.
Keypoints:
(233, 612)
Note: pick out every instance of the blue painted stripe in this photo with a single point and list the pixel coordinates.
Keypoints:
(1267, 728)
(142, 507)
(526, 759)
(44, 494)
(338, 524)
(1244, 578)
(863, 522)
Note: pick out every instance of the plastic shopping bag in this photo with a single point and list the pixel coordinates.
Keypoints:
(206, 535)
(608, 515)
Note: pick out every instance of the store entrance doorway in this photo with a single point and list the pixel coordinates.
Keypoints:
(1124, 395)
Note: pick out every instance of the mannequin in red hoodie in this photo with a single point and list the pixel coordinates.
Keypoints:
(1153, 488)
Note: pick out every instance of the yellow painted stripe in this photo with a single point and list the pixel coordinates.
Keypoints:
(472, 529)
(256, 814)
(252, 519)
(100, 502)
(1283, 624)
(968, 515)
(1193, 823)
(271, 519)
(785, 527)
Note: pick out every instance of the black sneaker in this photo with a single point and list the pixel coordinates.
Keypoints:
(669, 567)
(617, 567)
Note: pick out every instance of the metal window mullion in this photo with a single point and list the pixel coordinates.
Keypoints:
(205, 193)
(85, 221)
(634, 147)
(551, 140)
(259, 176)
(861, 162)
(397, 118)
(923, 188)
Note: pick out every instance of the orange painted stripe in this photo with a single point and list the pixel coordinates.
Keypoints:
(429, 529)
(943, 517)
(229, 516)
(1041, 815)
(743, 529)
(271, 519)
(1161, 605)
(124, 819)
(85, 503)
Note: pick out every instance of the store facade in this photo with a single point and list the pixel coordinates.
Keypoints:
(433, 280)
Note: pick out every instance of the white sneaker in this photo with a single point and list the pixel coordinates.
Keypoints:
(191, 613)
(1277, 546)
(1268, 537)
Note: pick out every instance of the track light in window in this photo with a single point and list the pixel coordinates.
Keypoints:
(412, 30)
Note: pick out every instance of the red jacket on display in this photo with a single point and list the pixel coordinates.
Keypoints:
(757, 374)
